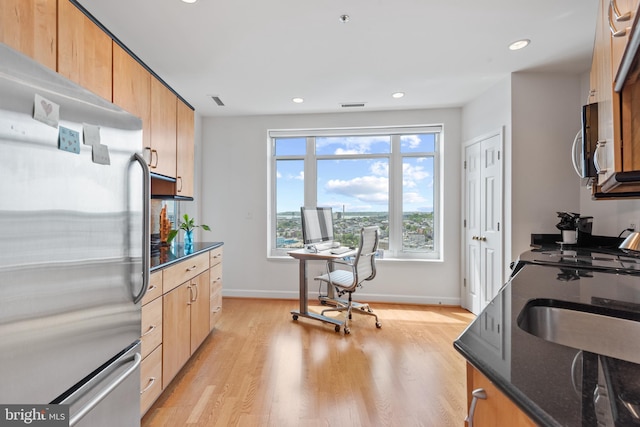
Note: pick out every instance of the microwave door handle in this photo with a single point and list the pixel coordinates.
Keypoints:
(596, 158)
(577, 144)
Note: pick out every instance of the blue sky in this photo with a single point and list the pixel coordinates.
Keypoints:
(360, 185)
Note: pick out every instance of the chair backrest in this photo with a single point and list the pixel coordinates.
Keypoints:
(366, 257)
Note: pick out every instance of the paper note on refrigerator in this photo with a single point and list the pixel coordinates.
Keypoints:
(69, 140)
(46, 111)
(91, 134)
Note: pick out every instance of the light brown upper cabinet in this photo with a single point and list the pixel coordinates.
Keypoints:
(132, 89)
(185, 150)
(618, 148)
(84, 50)
(29, 26)
(162, 159)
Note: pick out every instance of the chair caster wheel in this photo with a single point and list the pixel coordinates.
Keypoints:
(347, 331)
(378, 325)
(337, 328)
(295, 317)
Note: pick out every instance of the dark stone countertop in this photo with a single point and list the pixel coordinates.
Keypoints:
(543, 378)
(176, 252)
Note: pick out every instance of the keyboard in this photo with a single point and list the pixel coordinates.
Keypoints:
(340, 250)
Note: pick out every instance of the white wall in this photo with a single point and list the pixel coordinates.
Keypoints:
(546, 111)
(488, 113)
(540, 113)
(234, 202)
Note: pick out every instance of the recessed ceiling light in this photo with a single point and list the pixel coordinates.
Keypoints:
(189, 1)
(344, 18)
(298, 100)
(398, 94)
(519, 44)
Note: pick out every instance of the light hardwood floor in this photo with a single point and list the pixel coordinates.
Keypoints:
(261, 368)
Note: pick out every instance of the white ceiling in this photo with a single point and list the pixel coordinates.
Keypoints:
(257, 55)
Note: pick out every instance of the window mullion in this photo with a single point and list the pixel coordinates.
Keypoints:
(310, 173)
(395, 197)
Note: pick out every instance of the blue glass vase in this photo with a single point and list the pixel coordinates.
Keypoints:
(188, 242)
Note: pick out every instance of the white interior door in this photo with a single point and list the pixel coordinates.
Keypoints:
(472, 274)
(483, 217)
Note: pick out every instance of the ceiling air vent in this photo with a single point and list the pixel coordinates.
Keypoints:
(217, 100)
(352, 104)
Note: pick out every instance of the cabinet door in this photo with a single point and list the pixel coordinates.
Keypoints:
(496, 409)
(163, 130)
(84, 51)
(150, 379)
(176, 320)
(30, 27)
(200, 297)
(185, 150)
(620, 15)
(132, 89)
(151, 326)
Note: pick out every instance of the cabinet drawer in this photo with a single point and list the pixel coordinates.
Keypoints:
(150, 379)
(215, 256)
(151, 326)
(183, 271)
(216, 308)
(155, 287)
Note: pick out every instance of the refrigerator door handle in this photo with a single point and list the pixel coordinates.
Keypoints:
(137, 359)
(146, 231)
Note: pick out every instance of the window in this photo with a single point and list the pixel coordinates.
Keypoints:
(387, 177)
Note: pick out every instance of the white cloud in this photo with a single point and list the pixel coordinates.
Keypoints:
(413, 175)
(351, 144)
(370, 189)
(380, 169)
(411, 141)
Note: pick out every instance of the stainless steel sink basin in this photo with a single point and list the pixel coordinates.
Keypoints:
(607, 333)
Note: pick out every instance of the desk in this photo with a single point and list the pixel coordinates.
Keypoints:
(303, 256)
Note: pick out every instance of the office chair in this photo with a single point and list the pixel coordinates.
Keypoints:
(346, 276)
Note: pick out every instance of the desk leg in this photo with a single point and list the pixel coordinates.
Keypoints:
(304, 297)
(304, 301)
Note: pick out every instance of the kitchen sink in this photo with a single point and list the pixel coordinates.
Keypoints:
(608, 332)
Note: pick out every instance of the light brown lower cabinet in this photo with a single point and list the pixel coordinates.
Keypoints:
(185, 323)
(181, 307)
(494, 409)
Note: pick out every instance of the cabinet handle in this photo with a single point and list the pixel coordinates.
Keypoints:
(217, 309)
(192, 268)
(478, 393)
(154, 165)
(193, 298)
(151, 329)
(151, 381)
(619, 18)
(152, 288)
(614, 31)
(179, 190)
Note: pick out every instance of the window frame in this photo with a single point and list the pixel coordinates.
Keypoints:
(395, 158)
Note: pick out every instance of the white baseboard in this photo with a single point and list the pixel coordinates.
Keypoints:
(313, 296)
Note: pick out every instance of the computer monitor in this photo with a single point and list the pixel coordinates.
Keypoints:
(317, 225)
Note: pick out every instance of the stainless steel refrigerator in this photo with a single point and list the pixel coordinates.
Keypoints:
(74, 243)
